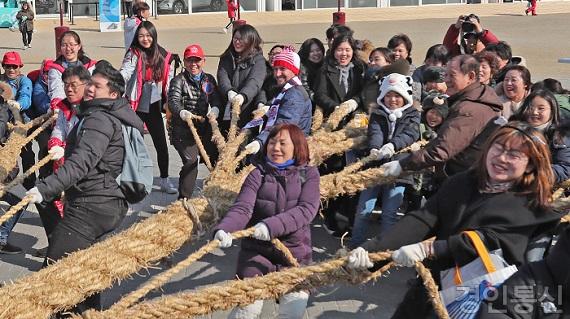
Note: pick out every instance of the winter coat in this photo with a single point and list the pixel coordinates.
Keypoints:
(535, 288)
(40, 99)
(132, 72)
(246, 78)
(462, 135)
(56, 91)
(295, 108)
(509, 107)
(21, 89)
(187, 94)
(287, 205)
(308, 75)
(450, 40)
(328, 94)
(130, 27)
(65, 122)
(503, 220)
(28, 25)
(559, 144)
(94, 155)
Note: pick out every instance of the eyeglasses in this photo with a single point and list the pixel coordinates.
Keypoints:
(68, 45)
(513, 156)
(74, 85)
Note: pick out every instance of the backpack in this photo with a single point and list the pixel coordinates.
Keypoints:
(136, 177)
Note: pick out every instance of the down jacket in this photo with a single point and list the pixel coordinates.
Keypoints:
(243, 77)
(462, 135)
(94, 155)
(286, 204)
(56, 91)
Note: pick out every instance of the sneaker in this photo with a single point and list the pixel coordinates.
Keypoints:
(167, 187)
(41, 253)
(29, 46)
(25, 47)
(10, 249)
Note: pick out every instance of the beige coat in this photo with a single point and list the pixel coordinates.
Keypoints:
(29, 25)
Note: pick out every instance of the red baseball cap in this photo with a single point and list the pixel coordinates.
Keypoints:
(12, 58)
(194, 51)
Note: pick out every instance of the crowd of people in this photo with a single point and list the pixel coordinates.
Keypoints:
(496, 145)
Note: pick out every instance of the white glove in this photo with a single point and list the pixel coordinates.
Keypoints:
(224, 238)
(387, 150)
(57, 153)
(185, 115)
(213, 111)
(358, 258)
(350, 104)
(36, 196)
(261, 232)
(253, 147)
(407, 256)
(376, 153)
(263, 108)
(238, 99)
(392, 168)
(231, 95)
(14, 104)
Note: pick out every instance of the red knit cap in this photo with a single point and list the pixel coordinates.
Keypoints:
(289, 60)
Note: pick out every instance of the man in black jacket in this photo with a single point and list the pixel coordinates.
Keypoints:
(94, 204)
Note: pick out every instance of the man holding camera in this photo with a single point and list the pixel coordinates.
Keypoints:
(467, 36)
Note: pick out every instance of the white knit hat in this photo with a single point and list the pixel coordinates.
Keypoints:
(398, 83)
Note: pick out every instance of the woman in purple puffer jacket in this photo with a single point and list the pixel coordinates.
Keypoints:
(279, 198)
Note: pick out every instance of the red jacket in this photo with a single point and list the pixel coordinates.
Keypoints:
(450, 40)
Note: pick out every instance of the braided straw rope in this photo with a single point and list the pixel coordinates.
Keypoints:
(198, 141)
(318, 118)
(323, 151)
(336, 117)
(161, 279)
(14, 209)
(30, 171)
(35, 122)
(432, 291)
(243, 292)
(217, 136)
(10, 153)
(236, 109)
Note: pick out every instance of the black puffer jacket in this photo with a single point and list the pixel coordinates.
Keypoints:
(94, 156)
(187, 94)
(244, 77)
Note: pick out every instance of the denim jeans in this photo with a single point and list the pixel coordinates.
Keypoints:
(392, 198)
(6, 228)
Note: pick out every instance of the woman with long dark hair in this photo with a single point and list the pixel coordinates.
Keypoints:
(26, 20)
(505, 198)
(147, 72)
(312, 54)
(241, 73)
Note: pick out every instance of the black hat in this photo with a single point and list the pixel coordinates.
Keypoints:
(434, 74)
(437, 101)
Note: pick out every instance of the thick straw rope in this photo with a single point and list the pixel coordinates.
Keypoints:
(318, 118)
(35, 122)
(198, 141)
(217, 136)
(236, 109)
(14, 209)
(27, 173)
(243, 292)
(163, 278)
(432, 291)
(336, 117)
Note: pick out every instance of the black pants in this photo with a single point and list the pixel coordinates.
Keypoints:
(155, 126)
(129, 8)
(27, 37)
(83, 225)
(29, 158)
(184, 143)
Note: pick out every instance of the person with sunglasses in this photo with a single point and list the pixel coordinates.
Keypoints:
(505, 198)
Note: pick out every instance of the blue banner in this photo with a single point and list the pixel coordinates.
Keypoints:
(110, 15)
(8, 17)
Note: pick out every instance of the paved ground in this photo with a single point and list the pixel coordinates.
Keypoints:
(542, 40)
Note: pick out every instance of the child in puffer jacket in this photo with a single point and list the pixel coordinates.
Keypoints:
(394, 125)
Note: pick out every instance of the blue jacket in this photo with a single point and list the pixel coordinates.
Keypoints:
(295, 108)
(559, 144)
(22, 90)
(40, 99)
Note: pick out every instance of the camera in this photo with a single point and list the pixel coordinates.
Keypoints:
(466, 25)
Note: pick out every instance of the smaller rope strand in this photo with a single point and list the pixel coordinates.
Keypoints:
(27, 173)
(14, 209)
(432, 291)
(198, 141)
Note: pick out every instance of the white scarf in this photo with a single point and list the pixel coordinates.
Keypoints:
(274, 108)
(393, 116)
